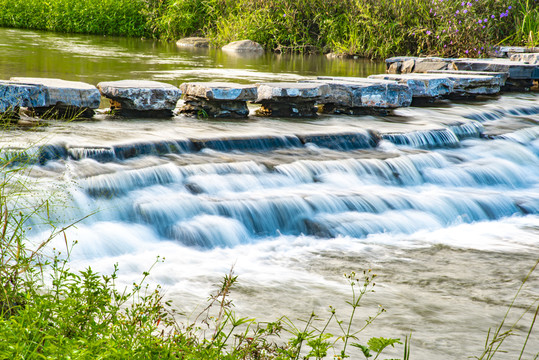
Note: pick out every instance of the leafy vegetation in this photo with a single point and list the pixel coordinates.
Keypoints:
(370, 28)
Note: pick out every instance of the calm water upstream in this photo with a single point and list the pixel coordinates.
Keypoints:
(448, 219)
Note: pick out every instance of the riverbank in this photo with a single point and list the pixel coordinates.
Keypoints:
(375, 29)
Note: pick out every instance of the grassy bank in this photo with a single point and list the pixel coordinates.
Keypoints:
(371, 28)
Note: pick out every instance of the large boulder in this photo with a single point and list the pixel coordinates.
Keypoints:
(243, 46)
(193, 42)
(140, 97)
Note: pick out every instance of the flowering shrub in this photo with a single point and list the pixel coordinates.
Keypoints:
(464, 28)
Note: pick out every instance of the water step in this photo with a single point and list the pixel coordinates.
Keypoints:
(63, 99)
(290, 99)
(353, 96)
(140, 97)
(217, 99)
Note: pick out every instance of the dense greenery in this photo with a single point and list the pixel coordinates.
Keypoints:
(372, 28)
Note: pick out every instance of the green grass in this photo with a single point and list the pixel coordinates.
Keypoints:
(369, 28)
(108, 17)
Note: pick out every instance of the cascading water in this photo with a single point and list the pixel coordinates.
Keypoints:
(442, 202)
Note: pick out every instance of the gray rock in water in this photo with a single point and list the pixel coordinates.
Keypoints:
(141, 97)
(521, 75)
(64, 99)
(243, 46)
(67, 93)
(425, 86)
(408, 64)
(217, 99)
(15, 95)
(360, 95)
(220, 91)
(501, 76)
(450, 84)
(532, 58)
(508, 51)
(290, 99)
(197, 42)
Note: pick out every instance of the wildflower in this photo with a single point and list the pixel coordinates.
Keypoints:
(466, 51)
(510, 7)
(428, 32)
(482, 27)
(456, 12)
(479, 21)
(465, 11)
(462, 4)
(492, 16)
(485, 20)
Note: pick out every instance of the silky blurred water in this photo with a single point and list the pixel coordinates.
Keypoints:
(445, 208)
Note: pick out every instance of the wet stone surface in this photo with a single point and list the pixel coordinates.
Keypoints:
(290, 99)
(14, 96)
(217, 99)
(63, 99)
(357, 96)
(424, 86)
(140, 97)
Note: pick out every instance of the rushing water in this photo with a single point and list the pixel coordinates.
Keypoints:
(441, 202)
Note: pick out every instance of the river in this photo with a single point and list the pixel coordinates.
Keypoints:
(448, 219)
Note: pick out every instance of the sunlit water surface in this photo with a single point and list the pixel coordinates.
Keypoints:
(447, 218)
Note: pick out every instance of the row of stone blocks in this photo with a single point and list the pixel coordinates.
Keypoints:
(55, 98)
(522, 69)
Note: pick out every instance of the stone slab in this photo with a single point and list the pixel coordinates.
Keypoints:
(14, 95)
(193, 42)
(365, 93)
(291, 91)
(507, 51)
(517, 70)
(434, 84)
(502, 76)
(409, 64)
(65, 93)
(429, 86)
(141, 95)
(220, 91)
(530, 58)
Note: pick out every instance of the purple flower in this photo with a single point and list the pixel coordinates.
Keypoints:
(492, 16)
(510, 7)
(462, 4)
(456, 12)
(485, 20)
(482, 27)
(479, 21)
(465, 11)
(466, 51)
(479, 52)
(469, 4)
(428, 32)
